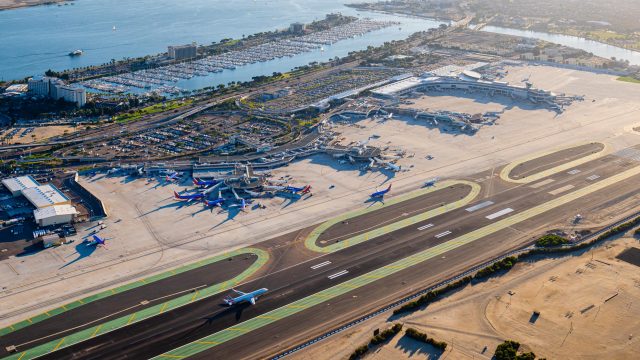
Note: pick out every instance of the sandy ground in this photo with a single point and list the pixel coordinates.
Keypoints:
(576, 319)
(41, 133)
(14, 4)
(154, 233)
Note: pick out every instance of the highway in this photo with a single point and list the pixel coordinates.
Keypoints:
(503, 216)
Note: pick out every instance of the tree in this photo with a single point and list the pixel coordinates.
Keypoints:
(507, 350)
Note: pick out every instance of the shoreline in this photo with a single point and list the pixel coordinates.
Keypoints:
(6, 5)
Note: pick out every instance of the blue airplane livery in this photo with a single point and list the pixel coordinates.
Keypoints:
(188, 198)
(250, 297)
(380, 194)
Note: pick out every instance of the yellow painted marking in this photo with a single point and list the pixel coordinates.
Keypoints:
(195, 295)
(29, 320)
(144, 281)
(172, 356)
(296, 307)
(64, 307)
(12, 328)
(81, 302)
(113, 291)
(97, 329)
(372, 277)
(21, 355)
(164, 306)
(133, 316)
(58, 345)
(348, 286)
(268, 317)
(47, 313)
(506, 171)
(322, 295)
(237, 329)
(207, 342)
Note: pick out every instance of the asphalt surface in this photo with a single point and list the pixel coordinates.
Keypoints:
(560, 157)
(287, 284)
(128, 302)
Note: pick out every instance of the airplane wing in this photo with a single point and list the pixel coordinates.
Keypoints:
(252, 301)
(239, 292)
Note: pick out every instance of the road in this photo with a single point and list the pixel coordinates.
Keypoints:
(507, 218)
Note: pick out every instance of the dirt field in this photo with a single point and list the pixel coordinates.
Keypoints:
(581, 317)
(41, 133)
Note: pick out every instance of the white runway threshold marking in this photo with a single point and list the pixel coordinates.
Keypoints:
(443, 234)
(321, 265)
(479, 206)
(593, 177)
(499, 213)
(425, 227)
(338, 274)
(573, 172)
(561, 190)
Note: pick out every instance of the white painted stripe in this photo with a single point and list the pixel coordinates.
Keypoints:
(321, 265)
(573, 172)
(561, 190)
(425, 226)
(479, 206)
(593, 177)
(443, 234)
(541, 183)
(338, 274)
(499, 213)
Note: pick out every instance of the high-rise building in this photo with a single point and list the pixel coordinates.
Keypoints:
(297, 28)
(182, 52)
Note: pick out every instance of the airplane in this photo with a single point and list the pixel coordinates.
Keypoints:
(380, 194)
(216, 202)
(253, 193)
(250, 297)
(173, 176)
(272, 187)
(393, 167)
(242, 205)
(431, 182)
(306, 190)
(205, 183)
(188, 198)
(212, 188)
(97, 241)
(296, 190)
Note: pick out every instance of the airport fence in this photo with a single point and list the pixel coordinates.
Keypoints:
(605, 233)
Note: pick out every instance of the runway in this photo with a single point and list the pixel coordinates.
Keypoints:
(325, 288)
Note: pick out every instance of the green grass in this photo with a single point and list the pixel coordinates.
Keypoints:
(629, 79)
(152, 109)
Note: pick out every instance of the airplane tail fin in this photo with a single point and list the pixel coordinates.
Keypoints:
(175, 195)
(389, 188)
(196, 181)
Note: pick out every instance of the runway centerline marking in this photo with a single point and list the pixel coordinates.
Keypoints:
(423, 227)
(573, 172)
(483, 204)
(338, 274)
(443, 234)
(561, 189)
(593, 177)
(541, 183)
(497, 214)
(317, 266)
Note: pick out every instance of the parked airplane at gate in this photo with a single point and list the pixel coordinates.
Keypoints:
(250, 297)
(97, 241)
(188, 198)
(216, 202)
(302, 190)
(173, 176)
(205, 183)
(380, 194)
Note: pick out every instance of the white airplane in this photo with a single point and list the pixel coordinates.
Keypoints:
(394, 167)
(250, 297)
(253, 193)
(273, 187)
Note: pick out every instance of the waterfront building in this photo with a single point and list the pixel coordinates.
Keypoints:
(183, 52)
(297, 28)
(54, 88)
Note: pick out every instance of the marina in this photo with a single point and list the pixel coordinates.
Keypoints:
(162, 79)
